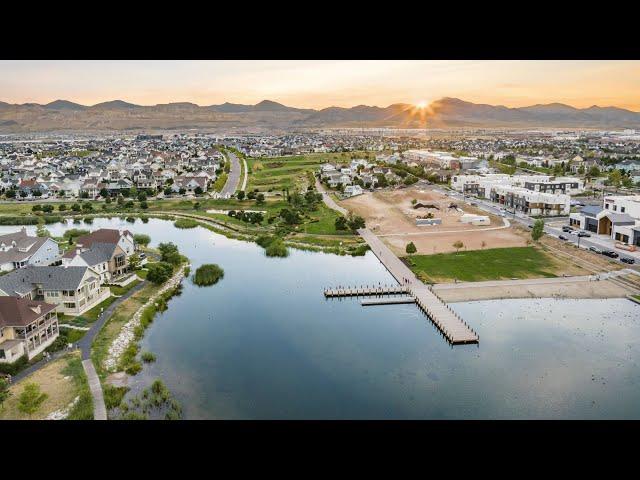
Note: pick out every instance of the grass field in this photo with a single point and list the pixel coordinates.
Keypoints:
(479, 265)
(277, 173)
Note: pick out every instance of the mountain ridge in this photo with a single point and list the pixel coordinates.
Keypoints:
(442, 113)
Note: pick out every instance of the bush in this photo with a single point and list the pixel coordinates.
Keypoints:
(411, 248)
(208, 274)
(159, 272)
(277, 248)
(148, 357)
(185, 223)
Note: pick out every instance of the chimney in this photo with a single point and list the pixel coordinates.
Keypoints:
(77, 251)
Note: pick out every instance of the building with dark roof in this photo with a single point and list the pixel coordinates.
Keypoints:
(73, 289)
(27, 327)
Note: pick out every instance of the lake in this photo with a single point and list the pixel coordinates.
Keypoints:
(264, 343)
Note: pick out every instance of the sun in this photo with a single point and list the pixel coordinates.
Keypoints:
(421, 105)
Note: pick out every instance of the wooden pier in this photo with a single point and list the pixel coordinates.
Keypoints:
(365, 291)
(452, 326)
(388, 301)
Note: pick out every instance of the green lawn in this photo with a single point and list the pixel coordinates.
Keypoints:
(479, 265)
(277, 173)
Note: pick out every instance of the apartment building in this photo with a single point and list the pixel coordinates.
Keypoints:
(530, 202)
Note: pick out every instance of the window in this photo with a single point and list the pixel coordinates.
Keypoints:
(622, 209)
(615, 207)
(69, 305)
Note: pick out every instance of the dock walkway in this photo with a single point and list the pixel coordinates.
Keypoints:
(453, 327)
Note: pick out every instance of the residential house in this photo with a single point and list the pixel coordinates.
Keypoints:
(73, 289)
(27, 327)
(18, 250)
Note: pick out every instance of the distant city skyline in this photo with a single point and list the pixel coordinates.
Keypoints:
(321, 84)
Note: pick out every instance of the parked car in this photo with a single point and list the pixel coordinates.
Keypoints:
(142, 255)
(566, 229)
(595, 249)
(610, 253)
(529, 226)
(574, 232)
(562, 237)
(584, 234)
(628, 260)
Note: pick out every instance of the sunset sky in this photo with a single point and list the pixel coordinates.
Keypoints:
(319, 84)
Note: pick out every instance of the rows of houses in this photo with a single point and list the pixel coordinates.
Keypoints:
(354, 177)
(35, 290)
(114, 165)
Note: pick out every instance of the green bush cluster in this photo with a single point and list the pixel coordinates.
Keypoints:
(208, 274)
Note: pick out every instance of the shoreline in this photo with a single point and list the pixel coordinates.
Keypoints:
(579, 290)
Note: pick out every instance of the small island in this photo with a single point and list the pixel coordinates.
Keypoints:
(208, 274)
(185, 223)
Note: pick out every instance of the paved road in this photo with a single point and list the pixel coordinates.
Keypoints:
(234, 176)
(584, 242)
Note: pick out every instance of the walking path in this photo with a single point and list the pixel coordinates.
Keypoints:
(99, 408)
(328, 201)
(246, 175)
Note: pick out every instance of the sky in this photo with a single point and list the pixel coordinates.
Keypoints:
(324, 83)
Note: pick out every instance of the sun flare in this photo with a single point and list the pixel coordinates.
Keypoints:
(421, 105)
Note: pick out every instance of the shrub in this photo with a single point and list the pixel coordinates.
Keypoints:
(148, 357)
(159, 272)
(31, 398)
(277, 248)
(208, 274)
(411, 248)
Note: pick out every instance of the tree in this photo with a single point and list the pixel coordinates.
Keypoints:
(241, 195)
(31, 398)
(87, 207)
(411, 248)
(47, 208)
(341, 223)
(355, 222)
(167, 191)
(134, 262)
(142, 239)
(260, 199)
(537, 230)
(198, 191)
(62, 207)
(4, 391)
(159, 272)
(144, 205)
(615, 178)
(170, 253)
(36, 208)
(458, 245)
(104, 193)
(76, 207)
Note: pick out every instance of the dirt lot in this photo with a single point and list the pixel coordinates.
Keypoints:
(58, 387)
(391, 215)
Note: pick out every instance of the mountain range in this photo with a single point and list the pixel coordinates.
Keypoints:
(61, 115)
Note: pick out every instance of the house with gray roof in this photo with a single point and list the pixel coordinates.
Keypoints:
(17, 250)
(73, 289)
